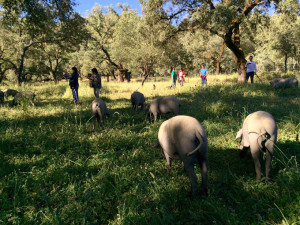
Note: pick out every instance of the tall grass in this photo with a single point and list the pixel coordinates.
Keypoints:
(54, 170)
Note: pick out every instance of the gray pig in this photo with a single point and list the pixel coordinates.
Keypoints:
(137, 99)
(259, 133)
(10, 92)
(183, 137)
(284, 83)
(99, 111)
(1, 96)
(163, 105)
(28, 95)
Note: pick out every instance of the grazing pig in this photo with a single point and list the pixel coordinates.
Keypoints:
(1, 96)
(10, 92)
(137, 99)
(26, 95)
(99, 111)
(163, 105)
(259, 133)
(284, 83)
(184, 138)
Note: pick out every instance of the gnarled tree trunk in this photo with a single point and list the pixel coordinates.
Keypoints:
(121, 74)
(218, 62)
(238, 53)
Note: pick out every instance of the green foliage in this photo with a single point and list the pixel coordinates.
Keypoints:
(168, 33)
(54, 170)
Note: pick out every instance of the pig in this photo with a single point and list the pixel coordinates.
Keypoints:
(259, 133)
(24, 95)
(284, 83)
(10, 92)
(99, 111)
(137, 99)
(163, 105)
(184, 138)
(1, 96)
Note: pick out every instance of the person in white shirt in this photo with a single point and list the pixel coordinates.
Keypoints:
(251, 69)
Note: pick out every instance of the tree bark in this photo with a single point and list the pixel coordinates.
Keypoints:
(145, 77)
(285, 62)
(218, 63)
(20, 77)
(121, 74)
(235, 47)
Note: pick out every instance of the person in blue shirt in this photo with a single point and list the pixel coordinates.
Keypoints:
(73, 82)
(203, 74)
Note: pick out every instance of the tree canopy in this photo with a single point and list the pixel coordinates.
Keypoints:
(50, 35)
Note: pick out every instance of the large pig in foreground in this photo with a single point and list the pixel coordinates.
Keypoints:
(163, 105)
(99, 111)
(137, 99)
(183, 137)
(259, 133)
(26, 95)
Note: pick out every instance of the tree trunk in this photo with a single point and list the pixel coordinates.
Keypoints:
(145, 77)
(20, 70)
(54, 75)
(218, 63)
(285, 62)
(235, 47)
(121, 74)
(17, 78)
(20, 75)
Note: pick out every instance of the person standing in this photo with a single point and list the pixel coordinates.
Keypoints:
(173, 77)
(180, 77)
(183, 75)
(73, 82)
(203, 75)
(251, 69)
(95, 80)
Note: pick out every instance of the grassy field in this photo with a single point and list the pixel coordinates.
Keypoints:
(54, 170)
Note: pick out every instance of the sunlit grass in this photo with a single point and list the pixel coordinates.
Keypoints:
(53, 169)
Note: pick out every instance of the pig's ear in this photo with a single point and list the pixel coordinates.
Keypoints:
(239, 134)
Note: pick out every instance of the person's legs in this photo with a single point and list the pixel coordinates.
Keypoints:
(247, 77)
(96, 92)
(252, 77)
(205, 81)
(75, 94)
(202, 81)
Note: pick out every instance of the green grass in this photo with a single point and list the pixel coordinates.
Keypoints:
(54, 170)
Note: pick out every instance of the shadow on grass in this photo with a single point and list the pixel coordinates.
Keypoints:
(114, 173)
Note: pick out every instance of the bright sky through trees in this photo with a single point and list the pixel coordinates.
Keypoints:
(84, 6)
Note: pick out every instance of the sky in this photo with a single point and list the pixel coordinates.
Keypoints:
(84, 6)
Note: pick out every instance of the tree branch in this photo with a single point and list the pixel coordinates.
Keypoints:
(108, 57)
(10, 62)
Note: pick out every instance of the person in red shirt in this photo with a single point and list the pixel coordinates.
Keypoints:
(181, 76)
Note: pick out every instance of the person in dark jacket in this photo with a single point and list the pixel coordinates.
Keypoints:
(73, 82)
(95, 82)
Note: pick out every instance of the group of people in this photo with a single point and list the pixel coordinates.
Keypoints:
(95, 82)
(250, 66)
(95, 78)
(181, 76)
